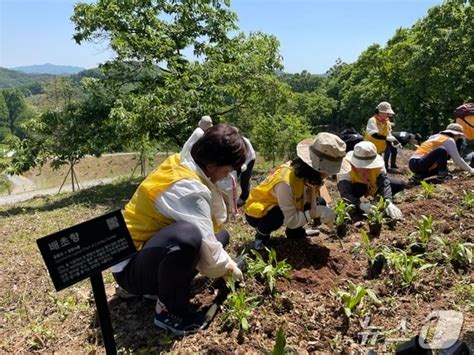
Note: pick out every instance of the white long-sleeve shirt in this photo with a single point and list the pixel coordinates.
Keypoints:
(450, 146)
(292, 217)
(192, 201)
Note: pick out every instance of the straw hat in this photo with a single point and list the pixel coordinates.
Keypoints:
(454, 128)
(324, 153)
(365, 156)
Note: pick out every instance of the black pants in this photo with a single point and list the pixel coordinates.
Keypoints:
(274, 220)
(245, 181)
(166, 265)
(421, 166)
(390, 154)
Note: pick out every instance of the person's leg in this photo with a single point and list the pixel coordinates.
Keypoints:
(396, 185)
(265, 225)
(165, 266)
(223, 237)
(245, 183)
(393, 157)
(386, 156)
(422, 167)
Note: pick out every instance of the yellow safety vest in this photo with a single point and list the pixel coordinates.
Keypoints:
(431, 144)
(141, 217)
(383, 128)
(467, 124)
(261, 198)
(371, 184)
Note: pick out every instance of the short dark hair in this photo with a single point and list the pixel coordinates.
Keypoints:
(220, 145)
(307, 173)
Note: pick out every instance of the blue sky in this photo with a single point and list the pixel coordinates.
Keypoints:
(313, 34)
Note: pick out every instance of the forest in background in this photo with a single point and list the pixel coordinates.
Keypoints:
(150, 96)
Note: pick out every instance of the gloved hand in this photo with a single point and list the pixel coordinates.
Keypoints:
(324, 213)
(393, 211)
(391, 139)
(243, 168)
(396, 144)
(234, 271)
(365, 206)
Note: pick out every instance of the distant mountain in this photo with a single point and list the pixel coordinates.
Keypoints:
(16, 79)
(49, 69)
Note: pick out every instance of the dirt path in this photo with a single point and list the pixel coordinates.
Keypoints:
(20, 185)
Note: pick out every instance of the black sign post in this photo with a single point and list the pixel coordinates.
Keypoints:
(83, 251)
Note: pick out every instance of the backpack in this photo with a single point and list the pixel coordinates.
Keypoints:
(464, 110)
(351, 137)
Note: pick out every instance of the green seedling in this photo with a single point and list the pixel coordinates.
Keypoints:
(457, 253)
(270, 270)
(376, 214)
(370, 251)
(409, 267)
(353, 297)
(343, 212)
(280, 347)
(239, 308)
(424, 231)
(427, 189)
(458, 212)
(468, 200)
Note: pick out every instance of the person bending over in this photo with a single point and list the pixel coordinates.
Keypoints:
(290, 195)
(175, 219)
(363, 174)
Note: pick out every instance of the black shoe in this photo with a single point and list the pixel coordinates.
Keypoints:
(415, 179)
(260, 241)
(443, 176)
(180, 325)
(240, 203)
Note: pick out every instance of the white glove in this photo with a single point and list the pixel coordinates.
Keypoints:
(234, 271)
(391, 139)
(393, 211)
(243, 167)
(325, 214)
(365, 207)
(396, 144)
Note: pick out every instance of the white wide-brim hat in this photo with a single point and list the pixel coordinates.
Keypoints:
(365, 156)
(324, 153)
(454, 128)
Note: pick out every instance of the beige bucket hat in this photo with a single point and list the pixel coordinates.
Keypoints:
(365, 156)
(454, 128)
(205, 122)
(324, 153)
(385, 107)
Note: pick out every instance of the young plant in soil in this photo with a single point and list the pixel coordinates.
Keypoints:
(280, 347)
(268, 271)
(468, 200)
(352, 297)
(239, 308)
(408, 266)
(376, 217)
(423, 234)
(427, 189)
(459, 254)
(376, 260)
(343, 217)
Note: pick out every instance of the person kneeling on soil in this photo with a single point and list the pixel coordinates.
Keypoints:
(290, 195)
(363, 174)
(431, 157)
(175, 219)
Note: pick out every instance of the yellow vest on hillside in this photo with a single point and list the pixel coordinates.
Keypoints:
(383, 128)
(261, 198)
(467, 124)
(371, 183)
(142, 219)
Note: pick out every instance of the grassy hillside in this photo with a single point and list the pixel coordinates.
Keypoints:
(15, 79)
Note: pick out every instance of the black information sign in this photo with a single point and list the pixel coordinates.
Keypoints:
(79, 252)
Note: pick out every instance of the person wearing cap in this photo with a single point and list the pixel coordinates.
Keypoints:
(203, 125)
(290, 195)
(363, 174)
(431, 157)
(175, 219)
(379, 128)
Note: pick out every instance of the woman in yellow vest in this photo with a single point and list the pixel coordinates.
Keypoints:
(431, 157)
(175, 219)
(464, 115)
(363, 174)
(379, 128)
(288, 196)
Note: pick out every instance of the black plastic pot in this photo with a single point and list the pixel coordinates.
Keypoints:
(376, 268)
(341, 230)
(375, 229)
(417, 248)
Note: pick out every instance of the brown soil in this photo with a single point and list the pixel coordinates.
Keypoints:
(305, 306)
